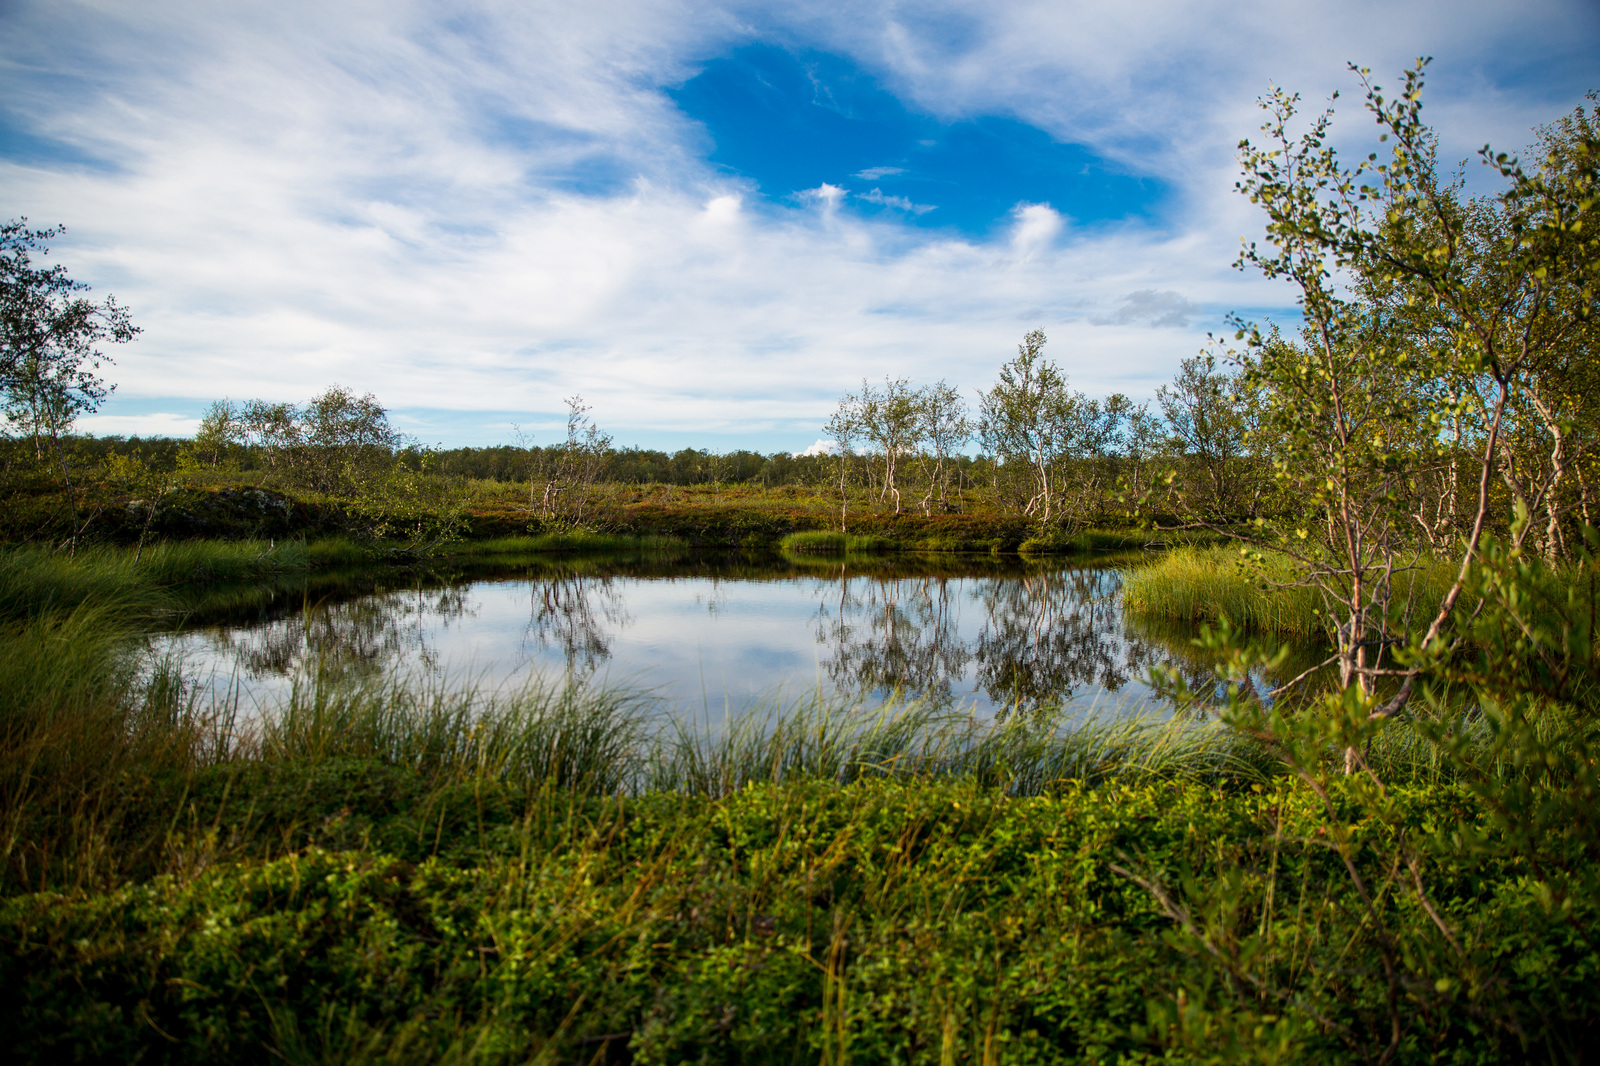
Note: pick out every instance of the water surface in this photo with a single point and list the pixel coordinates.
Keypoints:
(712, 633)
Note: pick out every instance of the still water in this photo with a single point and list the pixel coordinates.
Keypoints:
(711, 634)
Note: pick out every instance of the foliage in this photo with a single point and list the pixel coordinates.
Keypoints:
(569, 474)
(1204, 411)
(899, 922)
(1031, 421)
(48, 338)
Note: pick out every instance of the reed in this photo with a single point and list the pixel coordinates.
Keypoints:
(81, 716)
(832, 739)
(558, 732)
(37, 581)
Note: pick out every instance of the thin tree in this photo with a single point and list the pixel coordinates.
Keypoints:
(49, 333)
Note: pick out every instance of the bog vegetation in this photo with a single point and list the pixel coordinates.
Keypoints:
(1394, 857)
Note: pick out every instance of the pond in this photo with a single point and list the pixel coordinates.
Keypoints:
(712, 633)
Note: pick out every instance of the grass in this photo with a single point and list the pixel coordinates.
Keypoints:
(574, 541)
(564, 734)
(37, 581)
(827, 739)
(398, 875)
(1206, 584)
(827, 542)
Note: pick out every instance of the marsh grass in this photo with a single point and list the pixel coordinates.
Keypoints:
(827, 738)
(38, 581)
(81, 716)
(827, 542)
(574, 541)
(1206, 584)
(561, 732)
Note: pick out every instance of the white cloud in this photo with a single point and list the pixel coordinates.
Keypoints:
(1037, 225)
(382, 194)
(162, 424)
(875, 173)
(828, 196)
(723, 209)
(820, 447)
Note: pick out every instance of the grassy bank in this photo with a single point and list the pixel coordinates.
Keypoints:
(235, 507)
(171, 577)
(1204, 584)
(407, 870)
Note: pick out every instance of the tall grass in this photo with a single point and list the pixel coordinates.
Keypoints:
(80, 719)
(37, 581)
(828, 542)
(1207, 584)
(842, 741)
(561, 732)
(573, 541)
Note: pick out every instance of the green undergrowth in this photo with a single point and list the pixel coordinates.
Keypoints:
(880, 921)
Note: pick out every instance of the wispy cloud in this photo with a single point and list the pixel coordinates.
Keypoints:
(1151, 308)
(900, 203)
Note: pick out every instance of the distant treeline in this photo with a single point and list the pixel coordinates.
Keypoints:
(503, 462)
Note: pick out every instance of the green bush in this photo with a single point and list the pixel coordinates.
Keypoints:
(887, 921)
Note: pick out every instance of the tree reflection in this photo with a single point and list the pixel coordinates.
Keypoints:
(357, 636)
(1049, 632)
(576, 614)
(1044, 636)
(894, 633)
(1012, 636)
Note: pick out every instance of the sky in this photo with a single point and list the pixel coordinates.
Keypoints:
(709, 220)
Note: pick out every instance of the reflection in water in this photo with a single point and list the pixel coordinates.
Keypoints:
(1005, 636)
(886, 633)
(358, 636)
(1044, 636)
(576, 615)
(1051, 632)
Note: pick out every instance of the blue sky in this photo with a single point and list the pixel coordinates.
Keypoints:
(710, 220)
(792, 121)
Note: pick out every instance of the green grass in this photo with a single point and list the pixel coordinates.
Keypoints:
(884, 920)
(574, 541)
(37, 581)
(1206, 584)
(569, 735)
(829, 739)
(827, 542)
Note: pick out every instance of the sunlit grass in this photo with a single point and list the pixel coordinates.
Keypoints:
(1207, 584)
(829, 542)
(574, 541)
